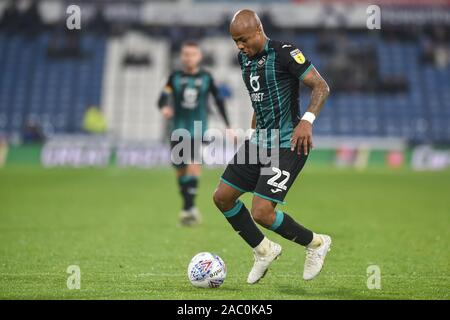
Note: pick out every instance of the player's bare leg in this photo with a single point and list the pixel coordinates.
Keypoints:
(188, 182)
(317, 245)
(225, 196)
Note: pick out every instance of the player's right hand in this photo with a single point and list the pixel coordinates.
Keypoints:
(167, 112)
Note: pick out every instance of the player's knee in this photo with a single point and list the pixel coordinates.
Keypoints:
(263, 213)
(222, 201)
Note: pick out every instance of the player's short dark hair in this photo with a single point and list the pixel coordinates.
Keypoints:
(190, 43)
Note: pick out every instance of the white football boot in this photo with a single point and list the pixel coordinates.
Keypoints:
(190, 217)
(185, 217)
(263, 260)
(196, 215)
(316, 257)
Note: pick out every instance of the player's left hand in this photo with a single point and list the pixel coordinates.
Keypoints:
(302, 137)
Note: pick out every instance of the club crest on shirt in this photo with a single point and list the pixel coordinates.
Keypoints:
(298, 56)
(261, 62)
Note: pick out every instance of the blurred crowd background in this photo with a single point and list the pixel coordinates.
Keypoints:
(79, 96)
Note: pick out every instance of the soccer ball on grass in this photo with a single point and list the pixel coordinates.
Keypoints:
(207, 270)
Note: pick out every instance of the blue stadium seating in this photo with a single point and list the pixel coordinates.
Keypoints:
(422, 114)
(54, 92)
(57, 91)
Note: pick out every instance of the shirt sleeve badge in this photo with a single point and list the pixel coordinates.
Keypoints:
(298, 56)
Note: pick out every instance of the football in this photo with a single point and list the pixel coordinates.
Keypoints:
(207, 270)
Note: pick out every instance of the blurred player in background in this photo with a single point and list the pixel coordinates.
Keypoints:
(272, 72)
(184, 100)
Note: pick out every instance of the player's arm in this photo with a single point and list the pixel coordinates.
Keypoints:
(301, 68)
(320, 91)
(220, 103)
(302, 135)
(164, 100)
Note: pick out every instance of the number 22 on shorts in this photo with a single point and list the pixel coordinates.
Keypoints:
(280, 185)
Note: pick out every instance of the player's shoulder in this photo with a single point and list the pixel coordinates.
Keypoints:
(171, 78)
(175, 73)
(282, 47)
(288, 52)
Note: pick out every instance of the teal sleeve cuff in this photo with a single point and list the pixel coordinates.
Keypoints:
(306, 72)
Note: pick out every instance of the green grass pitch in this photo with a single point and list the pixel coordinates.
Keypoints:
(121, 228)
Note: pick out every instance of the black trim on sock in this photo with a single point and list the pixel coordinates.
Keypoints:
(244, 225)
(188, 192)
(294, 231)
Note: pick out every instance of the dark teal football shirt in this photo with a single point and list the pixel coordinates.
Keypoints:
(190, 94)
(272, 78)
